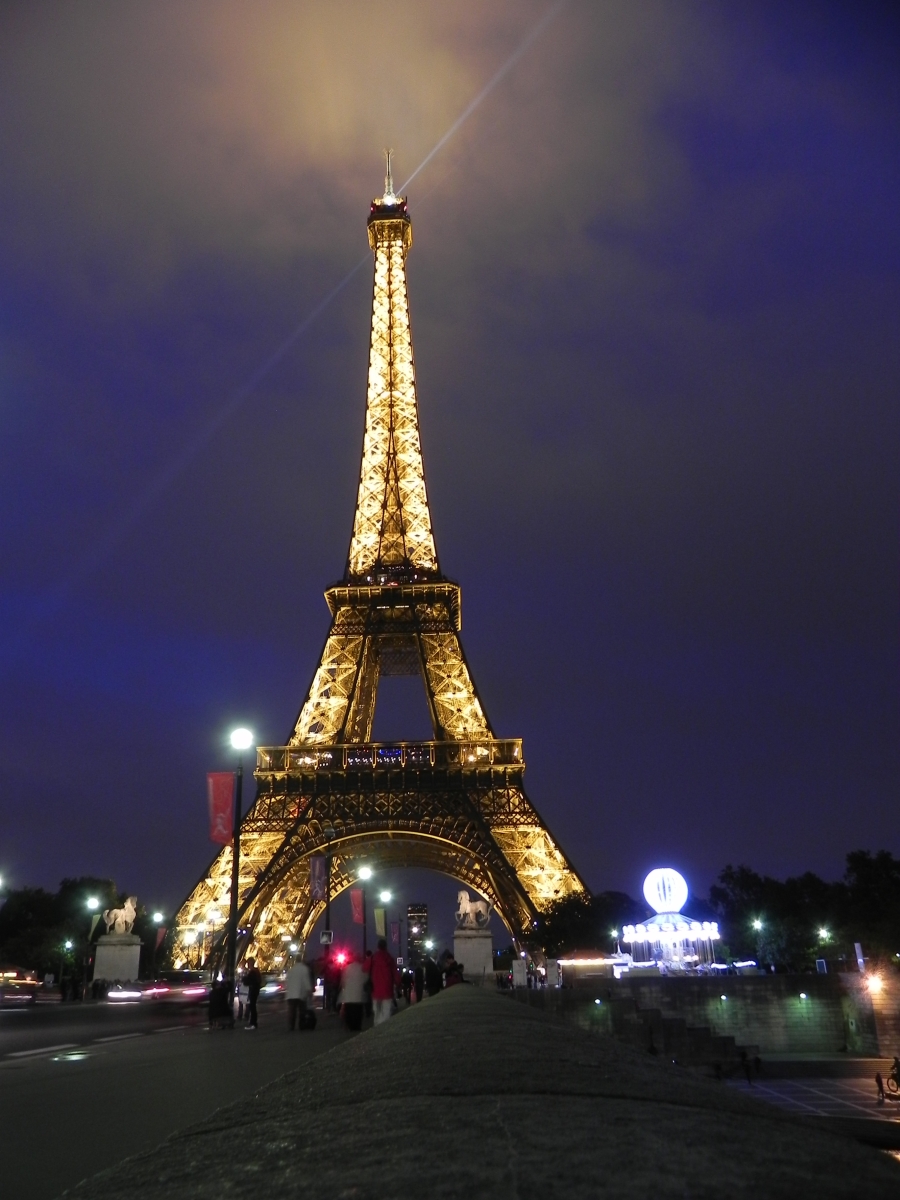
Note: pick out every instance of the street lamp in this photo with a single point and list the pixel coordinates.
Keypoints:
(329, 835)
(158, 918)
(93, 903)
(241, 740)
(364, 873)
(824, 934)
(384, 897)
(757, 924)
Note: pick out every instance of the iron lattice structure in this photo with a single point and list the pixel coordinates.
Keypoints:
(455, 804)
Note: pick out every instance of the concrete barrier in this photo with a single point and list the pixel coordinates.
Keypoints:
(470, 1095)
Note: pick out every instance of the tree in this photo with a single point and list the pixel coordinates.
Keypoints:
(872, 916)
(795, 921)
(583, 923)
(36, 924)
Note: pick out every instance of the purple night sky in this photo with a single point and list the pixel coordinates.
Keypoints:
(655, 294)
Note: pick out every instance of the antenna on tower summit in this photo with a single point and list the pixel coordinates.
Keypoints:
(388, 177)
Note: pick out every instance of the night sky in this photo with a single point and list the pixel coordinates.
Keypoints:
(655, 292)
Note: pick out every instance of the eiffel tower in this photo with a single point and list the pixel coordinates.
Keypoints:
(455, 804)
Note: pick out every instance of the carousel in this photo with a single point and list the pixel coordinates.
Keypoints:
(670, 939)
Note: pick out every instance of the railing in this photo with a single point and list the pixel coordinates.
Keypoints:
(371, 756)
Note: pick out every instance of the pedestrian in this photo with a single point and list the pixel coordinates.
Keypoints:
(331, 981)
(453, 971)
(434, 980)
(879, 1084)
(353, 996)
(297, 986)
(218, 1005)
(384, 978)
(419, 982)
(253, 980)
(367, 968)
(407, 986)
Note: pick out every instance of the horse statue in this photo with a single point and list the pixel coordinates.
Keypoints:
(472, 914)
(120, 920)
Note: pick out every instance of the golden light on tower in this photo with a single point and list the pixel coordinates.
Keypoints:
(455, 804)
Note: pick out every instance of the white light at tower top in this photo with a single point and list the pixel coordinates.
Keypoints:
(665, 890)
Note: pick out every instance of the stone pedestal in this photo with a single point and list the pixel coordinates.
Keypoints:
(474, 948)
(118, 956)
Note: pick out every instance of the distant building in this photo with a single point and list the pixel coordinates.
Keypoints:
(416, 932)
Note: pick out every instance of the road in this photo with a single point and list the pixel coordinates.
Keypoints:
(83, 1086)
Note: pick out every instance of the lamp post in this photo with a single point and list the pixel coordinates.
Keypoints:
(241, 739)
(66, 948)
(385, 898)
(329, 835)
(158, 919)
(364, 873)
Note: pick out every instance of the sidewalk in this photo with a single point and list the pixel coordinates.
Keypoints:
(469, 1095)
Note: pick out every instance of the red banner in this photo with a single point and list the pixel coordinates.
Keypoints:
(356, 902)
(395, 933)
(160, 937)
(220, 793)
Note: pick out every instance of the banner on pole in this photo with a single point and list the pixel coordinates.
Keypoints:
(95, 921)
(220, 793)
(356, 903)
(160, 936)
(379, 922)
(317, 887)
(395, 933)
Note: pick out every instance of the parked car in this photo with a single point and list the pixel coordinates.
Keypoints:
(17, 987)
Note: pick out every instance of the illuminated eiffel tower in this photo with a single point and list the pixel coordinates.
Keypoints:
(455, 804)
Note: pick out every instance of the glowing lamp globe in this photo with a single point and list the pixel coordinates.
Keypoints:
(241, 739)
(665, 890)
(384, 897)
(364, 872)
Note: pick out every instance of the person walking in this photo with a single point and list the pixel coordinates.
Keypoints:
(297, 987)
(434, 979)
(253, 980)
(419, 982)
(385, 978)
(353, 996)
(331, 980)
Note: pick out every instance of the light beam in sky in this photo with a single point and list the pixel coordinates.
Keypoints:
(116, 532)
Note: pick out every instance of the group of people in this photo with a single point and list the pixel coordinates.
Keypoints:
(374, 983)
(223, 994)
(370, 983)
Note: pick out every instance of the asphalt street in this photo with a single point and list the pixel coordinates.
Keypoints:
(83, 1086)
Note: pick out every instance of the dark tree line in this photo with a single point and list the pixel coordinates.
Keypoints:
(786, 923)
(792, 922)
(36, 924)
(585, 922)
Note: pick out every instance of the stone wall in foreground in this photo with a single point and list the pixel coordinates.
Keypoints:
(779, 1014)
